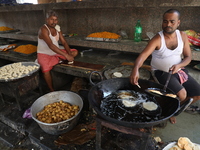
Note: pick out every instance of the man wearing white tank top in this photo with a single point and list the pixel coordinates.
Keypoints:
(48, 52)
(170, 51)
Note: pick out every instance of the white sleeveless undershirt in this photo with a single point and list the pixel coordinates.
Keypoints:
(164, 58)
(42, 45)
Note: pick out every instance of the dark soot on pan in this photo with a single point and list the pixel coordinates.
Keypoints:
(113, 107)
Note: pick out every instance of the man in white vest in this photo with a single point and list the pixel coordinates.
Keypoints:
(170, 51)
(48, 52)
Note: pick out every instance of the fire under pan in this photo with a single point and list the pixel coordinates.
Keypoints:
(144, 135)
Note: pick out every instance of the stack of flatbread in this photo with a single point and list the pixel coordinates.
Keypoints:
(185, 144)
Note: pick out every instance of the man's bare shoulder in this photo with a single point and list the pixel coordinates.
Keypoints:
(43, 31)
(155, 39)
(43, 28)
(155, 42)
(183, 35)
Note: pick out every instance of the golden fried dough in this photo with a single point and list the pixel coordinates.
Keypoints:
(175, 147)
(196, 147)
(171, 95)
(185, 143)
(156, 91)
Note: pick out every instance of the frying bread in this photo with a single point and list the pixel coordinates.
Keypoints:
(117, 74)
(129, 103)
(156, 91)
(171, 95)
(150, 106)
(123, 96)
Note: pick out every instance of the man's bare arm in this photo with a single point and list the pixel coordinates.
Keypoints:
(151, 46)
(44, 34)
(64, 43)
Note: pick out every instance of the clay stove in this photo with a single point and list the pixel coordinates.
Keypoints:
(143, 135)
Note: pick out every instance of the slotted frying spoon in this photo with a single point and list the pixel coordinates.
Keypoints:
(163, 91)
(167, 81)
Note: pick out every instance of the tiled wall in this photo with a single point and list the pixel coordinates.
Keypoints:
(84, 21)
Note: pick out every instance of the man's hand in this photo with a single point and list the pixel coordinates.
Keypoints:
(69, 57)
(134, 77)
(175, 68)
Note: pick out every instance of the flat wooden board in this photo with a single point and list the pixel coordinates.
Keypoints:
(84, 65)
(143, 66)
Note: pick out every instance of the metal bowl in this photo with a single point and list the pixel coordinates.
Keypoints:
(59, 127)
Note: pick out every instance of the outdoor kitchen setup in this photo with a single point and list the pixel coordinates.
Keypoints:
(107, 111)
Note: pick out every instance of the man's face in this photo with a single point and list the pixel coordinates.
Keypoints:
(52, 21)
(170, 22)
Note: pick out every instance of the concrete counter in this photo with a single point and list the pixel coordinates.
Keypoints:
(108, 58)
(123, 45)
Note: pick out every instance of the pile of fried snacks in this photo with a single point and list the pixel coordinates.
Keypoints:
(184, 143)
(26, 49)
(104, 34)
(57, 112)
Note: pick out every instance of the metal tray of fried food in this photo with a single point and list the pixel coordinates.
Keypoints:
(102, 39)
(22, 54)
(9, 31)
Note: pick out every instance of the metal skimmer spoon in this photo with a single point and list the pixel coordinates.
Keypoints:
(166, 83)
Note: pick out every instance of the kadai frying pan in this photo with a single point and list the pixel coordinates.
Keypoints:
(170, 106)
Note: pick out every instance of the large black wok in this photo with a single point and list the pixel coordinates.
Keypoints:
(169, 105)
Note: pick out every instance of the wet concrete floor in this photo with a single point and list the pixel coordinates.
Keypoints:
(188, 125)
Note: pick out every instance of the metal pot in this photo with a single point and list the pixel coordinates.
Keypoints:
(24, 75)
(60, 127)
(104, 88)
(21, 85)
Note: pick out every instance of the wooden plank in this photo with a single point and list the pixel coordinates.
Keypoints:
(84, 65)
(148, 67)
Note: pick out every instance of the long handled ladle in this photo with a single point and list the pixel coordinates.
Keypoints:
(167, 81)
(159, 92)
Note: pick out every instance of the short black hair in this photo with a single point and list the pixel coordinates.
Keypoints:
(51, 13)
(173, 11)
